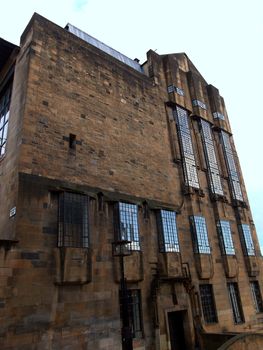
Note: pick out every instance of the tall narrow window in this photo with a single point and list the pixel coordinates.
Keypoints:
(208, 303)
(256, 295)
(127, 224)
(188, 158)
(168, 238)
(246, 240)
(135, 311)
(235, 301)
(73, 220)
(200, 235)
(225, 235)
(210, 156)
(231, 167)
(4, 119)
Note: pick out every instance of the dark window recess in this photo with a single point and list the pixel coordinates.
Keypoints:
(135, 311)
(208, 303)
(235, 302)
(73, 220)
(4, 119)
(256, 295)
(168, 237)
(126, 224)
(72, 141)
(200, 235)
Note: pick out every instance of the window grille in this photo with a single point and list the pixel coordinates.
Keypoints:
(4, 119)
(73, 220)
(208, 303)
(198, 103)
(127, 224)
(210, 156)
(246, 240)
(189, 163)
(235, 302)
(256, 295)
(168, 237)
(231, 167)
(200, 235)
(135, 311)
(225, 236)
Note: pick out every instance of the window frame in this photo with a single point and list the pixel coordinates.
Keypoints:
(127, 210)
(247, 240)
(73, 227)
(235, 302)
(168, 232)
(208, 303)
(200, 236)
(256, 296)
(226, 243)
(5, 101)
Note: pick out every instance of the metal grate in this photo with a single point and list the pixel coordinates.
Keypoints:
(134, 310)
(4, 119)
(128, 220)
(210, 156)
(235, 301)
(73, 220)
(200, 235)
(256, 295)
(224, 231)
(246, 240)
(231, 167)
(208, 303)
(189, 164)
(168, 237)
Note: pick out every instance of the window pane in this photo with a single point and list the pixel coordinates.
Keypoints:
(235, 302)
(188, 158)
(210, 156)
(4, 118)
(208, 303)
(231, 166)
(200, 235)
(246, 240)
(128, 214)
(256, 295)
(73, 220)
(225, 235)
(169, 238)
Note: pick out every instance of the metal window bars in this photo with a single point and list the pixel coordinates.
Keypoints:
(208, 303)
(256, 295)
(235, 301)
(73, 220)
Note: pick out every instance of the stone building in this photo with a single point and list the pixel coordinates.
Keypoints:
(96, 148)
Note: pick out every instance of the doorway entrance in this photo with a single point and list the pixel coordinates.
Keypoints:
(176, 330)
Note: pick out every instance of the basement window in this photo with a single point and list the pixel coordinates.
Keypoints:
(73, 220)
(208, 303)
(256, 295)
(235, 302)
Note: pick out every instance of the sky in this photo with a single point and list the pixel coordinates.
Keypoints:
(223, 38)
